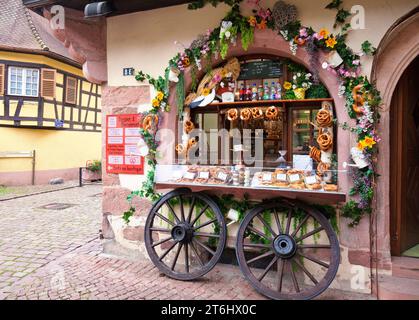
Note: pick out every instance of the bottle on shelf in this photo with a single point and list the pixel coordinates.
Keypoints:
(248, 93)
(260, 92)
(279, 91)
(273, 91)
(254, 93)
(242, 93)
(266, 92)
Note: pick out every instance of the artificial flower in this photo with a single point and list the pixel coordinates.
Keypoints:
(159, 95)
(287, 85)
(261, 25)
(155, 103)
(303, 33)
(361, 145)
(252, 21)
(331, 42)
(369, 142)
(206, 91)
(186, 62)
(323, 33)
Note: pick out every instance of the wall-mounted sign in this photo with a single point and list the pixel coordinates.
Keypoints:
(122, 137)
(128, 71)
(261, 70)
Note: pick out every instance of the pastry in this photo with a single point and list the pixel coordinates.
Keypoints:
(257, 113)
(150, 122)
(324, 118)
(315, 186)
(271, 113)
(358, 99)
(315, 154)
(322, 168)
(232, 114)
(298, 186)
(281, 184)
(246, 114)
(325, 141)
(188, 126)
(180, 148)
(330, 187)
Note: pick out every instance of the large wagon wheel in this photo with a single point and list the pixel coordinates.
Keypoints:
(287, 250)
(185, 234)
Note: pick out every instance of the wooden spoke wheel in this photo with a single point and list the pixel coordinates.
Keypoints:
(185, 234)
(287, 250)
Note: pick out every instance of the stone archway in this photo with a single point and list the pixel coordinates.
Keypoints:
(399, 47)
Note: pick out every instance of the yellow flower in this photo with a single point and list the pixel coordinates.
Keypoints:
(331, 42)
(324, 33)
(155, 103)
(369, 142)
(287, 85)
(361, 145)
(206, 92)
(252, 21)
(160, 96)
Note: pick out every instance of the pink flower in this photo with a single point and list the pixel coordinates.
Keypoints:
(356, 62)
(303, 32)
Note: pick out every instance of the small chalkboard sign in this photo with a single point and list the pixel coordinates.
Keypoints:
(261, 70)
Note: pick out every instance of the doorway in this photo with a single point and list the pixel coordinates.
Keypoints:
(404, 164)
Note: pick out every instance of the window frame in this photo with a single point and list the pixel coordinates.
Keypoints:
(24, 78)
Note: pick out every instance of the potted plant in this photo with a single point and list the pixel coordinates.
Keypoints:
(92, 171)
(301, 82)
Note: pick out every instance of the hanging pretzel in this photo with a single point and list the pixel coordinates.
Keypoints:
(180, 148)
(324, 118)
(246, 114)
(188, 126)
(257, 113)
(315, 154)
(271, 113)
(232, 114)
(358, 99)
(150, 121)
(322, 168)
(325, 141)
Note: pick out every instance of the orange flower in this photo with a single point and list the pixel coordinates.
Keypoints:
(299, 41)
(186, 62)
(369, 142)
(361, 145)
(324, 33)
(261, 25)
(252, 21)
(331, 42)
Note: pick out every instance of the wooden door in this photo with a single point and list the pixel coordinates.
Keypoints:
(404, 126)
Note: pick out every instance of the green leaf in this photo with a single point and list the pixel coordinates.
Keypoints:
(335, 4)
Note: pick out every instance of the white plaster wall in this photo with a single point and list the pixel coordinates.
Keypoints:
(145, 40)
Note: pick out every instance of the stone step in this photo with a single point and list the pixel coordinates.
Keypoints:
(405, 267)
(395, 288)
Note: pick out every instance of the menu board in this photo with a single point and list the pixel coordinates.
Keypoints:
(122, 137)
(261, 70)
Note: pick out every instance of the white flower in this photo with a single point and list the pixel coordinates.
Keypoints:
(298, 74)
(294, 87)
(325, 65)
(308, 75)
(294, 77)
(227, 34)
(305, 85)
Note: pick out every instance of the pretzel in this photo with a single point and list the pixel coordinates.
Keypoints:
(322, 168)
(315, 186)
(330, 187)
(192, 142)
(257, 113)
(150, 121)
(188, 126)
(271, 113)
(324, 118)
(246, 114)
(180, 148)
(315, 154)
(298, 186)
(358, 99)
(325, 141)
(232, 114)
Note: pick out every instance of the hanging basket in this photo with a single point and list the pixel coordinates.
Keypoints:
(300, 93)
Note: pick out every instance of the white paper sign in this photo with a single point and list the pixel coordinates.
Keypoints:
(132, 160)
(303, 162)
(116, 160)
(204, 175)
(115, 132)
(132, 132)
(311, 180)
(281, 177)
(112, 122)
(133, 140)
(177, 175)
(190, 175)
(294, 178)
(115, 140)
(222, 176)
(267, 177)
(132, 150)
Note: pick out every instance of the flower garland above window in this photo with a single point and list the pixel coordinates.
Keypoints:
(362, 99)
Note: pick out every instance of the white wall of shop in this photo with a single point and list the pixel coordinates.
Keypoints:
(146, 40)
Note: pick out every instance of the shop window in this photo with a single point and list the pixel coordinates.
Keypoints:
(71, 90)
(23, 82)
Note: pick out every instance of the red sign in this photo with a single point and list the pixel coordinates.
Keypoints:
(122, 137)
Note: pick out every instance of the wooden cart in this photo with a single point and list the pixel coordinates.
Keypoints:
(281, 256)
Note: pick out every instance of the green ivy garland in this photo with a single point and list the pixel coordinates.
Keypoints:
(297, 35)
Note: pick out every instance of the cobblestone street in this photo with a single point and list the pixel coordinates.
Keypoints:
(57, 254)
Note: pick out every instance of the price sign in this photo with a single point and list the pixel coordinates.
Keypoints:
(294, 178)
(190, 175)
(267, 177)
(122, 136)
(281, 177)
(203, 175)
(222, 176)
(311, 180)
